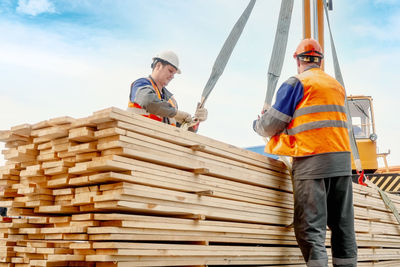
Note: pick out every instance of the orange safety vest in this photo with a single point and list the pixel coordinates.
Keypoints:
(319, 123)
(139, 110)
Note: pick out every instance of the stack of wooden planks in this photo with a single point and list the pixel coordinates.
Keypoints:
(118, 189)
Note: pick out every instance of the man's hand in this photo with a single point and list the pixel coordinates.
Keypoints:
(257, 125)
(201, 113)
(265, 108)
(182, 117)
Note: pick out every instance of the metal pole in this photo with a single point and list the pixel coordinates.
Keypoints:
(320, 15)
(315, 20)
(306, 19)
(320, 20)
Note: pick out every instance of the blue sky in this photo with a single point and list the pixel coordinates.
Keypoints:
(71, 58)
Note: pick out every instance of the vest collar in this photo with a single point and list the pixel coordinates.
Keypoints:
(313, 66)
(165, 94)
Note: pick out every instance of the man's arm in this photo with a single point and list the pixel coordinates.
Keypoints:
(276, 119)
(147, 99)
(143, 94)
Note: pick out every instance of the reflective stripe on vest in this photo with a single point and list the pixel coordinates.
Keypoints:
(319, 123)
(141, 111)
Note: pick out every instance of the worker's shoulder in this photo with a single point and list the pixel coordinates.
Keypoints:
(319, 75)
(141, 82)
(292, 81)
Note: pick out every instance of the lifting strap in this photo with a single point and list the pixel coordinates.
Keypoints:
(276, 63)
(277, 57)
(338, 75)
(223, 58)
(279, 49)
(226, 51)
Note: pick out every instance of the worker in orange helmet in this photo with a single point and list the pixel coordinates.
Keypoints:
(308, 122)
(149, 97)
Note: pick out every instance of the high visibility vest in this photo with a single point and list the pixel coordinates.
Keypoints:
(319, 123)
(141, 111)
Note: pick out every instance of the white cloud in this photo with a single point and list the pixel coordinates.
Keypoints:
(387, 2)
(35, 7)
(384, 29)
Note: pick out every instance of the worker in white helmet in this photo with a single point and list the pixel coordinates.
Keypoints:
(150, 98)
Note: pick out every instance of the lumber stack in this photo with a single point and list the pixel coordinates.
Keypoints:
(118, 189)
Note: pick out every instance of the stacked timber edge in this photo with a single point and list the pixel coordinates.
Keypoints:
(118, 189)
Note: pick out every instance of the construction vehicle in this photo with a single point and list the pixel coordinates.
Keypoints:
(363, 120)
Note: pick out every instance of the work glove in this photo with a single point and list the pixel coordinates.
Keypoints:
(256, 125)
(258, 128)
(182, 116)
(201, 113)
(265, 108)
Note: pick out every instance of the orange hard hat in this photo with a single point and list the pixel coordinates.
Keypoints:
(308, 47)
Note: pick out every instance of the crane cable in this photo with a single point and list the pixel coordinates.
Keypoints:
(353, 144)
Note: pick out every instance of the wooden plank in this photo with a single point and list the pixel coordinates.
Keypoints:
(100, 164)
(128, 190)
(82, 157)
(46, 145)
(221, 172)
(56, 170)
(62, 147)
(82, 134)
(174, 134)
(131, 139)
(134, 140)
(58, 183)
(195, 183)
(57, 163)
(61, 120)
(68, 229)
(56, 209)
(22, 129)
(83, 217)
(78, 181)
(200, 262)
(9, 136)
(83, 148)
(61, 257)
(174, 260)
(48, 157)
(211, 251)
(51, 132)
(86, 189)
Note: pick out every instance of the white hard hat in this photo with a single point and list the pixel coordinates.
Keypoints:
(170, 57)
